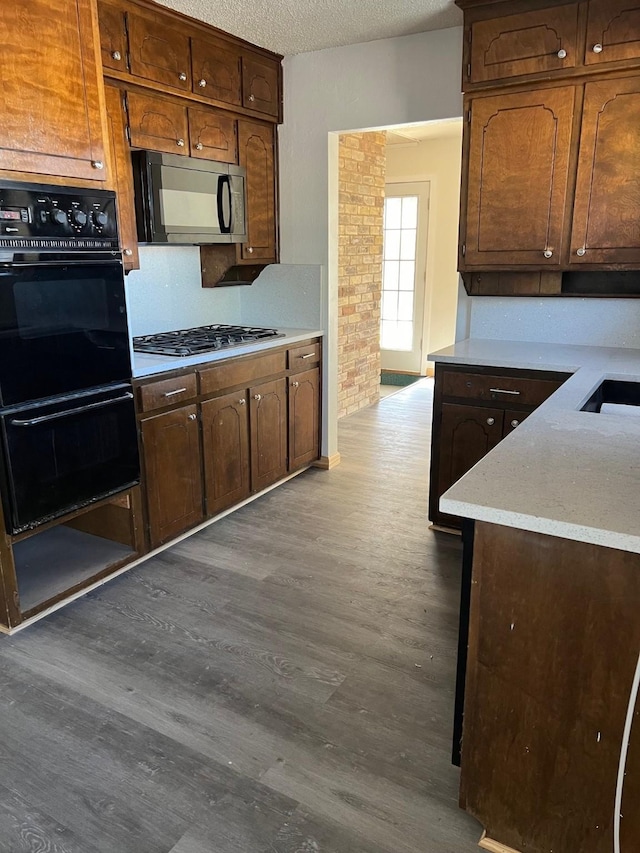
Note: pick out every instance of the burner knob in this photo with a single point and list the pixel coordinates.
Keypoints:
(79, 218)
(100, 218)
(58, 217)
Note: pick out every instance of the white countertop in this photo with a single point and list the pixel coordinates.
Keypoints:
(562, 472)
(145, 364)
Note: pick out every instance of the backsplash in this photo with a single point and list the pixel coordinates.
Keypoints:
(165, 294)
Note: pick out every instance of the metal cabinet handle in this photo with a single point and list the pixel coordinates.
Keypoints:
(562, 53)
(182, 76)
(514, 424)
(180, 143)
(193, 416)
(252, 98)
(173, 393)
(128, 252)
(491, 421)
(199, 146)
(597, 48)
(308, 355)
(581, 252)
(250, 250)
(202, 83)
(242, 402)
(116, 55)
(295, 384)
(503, 391)
(257, 396)
(97, 164)
(548, 253)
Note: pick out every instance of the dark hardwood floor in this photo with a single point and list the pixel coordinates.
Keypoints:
(280, 683)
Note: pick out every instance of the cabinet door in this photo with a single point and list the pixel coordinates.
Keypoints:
(606, 213)
(304, 418)
(212, 135)
(268, 418)
(173, 479)
(122, 176)
(529, 43)
(225, 442)
(216, 71)
(518, 172)
(159, 51)
(51, 98)
(613, 31)
(467, 433)
(512, 420)
(113, 36)
(256, 154)
(260, 85)
(157, 123)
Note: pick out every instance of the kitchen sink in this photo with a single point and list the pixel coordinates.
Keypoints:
(615, 396)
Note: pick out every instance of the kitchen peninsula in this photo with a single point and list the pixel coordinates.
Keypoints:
(551, 742)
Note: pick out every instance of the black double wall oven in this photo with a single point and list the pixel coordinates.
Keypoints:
(67, 420)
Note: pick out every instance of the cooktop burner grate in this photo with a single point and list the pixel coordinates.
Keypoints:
(184, 342)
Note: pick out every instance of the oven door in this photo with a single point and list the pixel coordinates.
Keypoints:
(64, 454)
(63, 327)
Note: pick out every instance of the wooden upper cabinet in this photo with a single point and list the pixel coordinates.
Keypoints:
(52, 98)
(606, 214)
(260, 85)
(256, 154)
(113, 36)
(216, 71)
(528, 43)
(122, 176)
(157, 123)
(613, 31)
(213, 135)
(159, 51)
(518, 156)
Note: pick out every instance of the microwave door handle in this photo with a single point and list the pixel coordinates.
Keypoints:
(67, 412)
(224, 180)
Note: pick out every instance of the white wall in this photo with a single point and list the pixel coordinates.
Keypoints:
(366, 86)
(438, 161)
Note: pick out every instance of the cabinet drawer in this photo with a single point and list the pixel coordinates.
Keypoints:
(304, 357)
(157, 395)
(495, 388)
(528, 43)
(241, 371)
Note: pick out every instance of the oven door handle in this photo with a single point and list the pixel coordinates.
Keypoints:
(67, 412)
(69, 262)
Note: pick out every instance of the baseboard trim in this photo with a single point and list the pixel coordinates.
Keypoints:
(494, 846)
(327, 462)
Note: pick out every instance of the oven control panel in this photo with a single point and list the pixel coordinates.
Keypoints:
(37, 217)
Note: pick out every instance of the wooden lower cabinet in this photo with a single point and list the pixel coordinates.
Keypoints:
(268, 415)
(173, 478)
(304, 418)
(225, 447)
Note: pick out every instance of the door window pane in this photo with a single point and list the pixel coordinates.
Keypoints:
(398, 273)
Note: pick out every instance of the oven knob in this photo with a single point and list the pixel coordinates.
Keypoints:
(58, 217)
(79, 218)
(100, 218)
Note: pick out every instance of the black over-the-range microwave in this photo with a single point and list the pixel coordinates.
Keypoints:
(183, 200)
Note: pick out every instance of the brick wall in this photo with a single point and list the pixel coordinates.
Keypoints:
(361, 207)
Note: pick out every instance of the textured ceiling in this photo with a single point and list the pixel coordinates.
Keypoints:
(296, 26)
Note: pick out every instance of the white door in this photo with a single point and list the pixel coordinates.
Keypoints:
(406, 221)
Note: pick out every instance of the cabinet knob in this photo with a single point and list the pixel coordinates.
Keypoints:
(182, 76)
(116, 55)
(491, 421)
(192, 417)
(257, 396)
(597, 48)
(548, 253)
(252, 98)
(295, 384)
(514, 424)
(128, 252)
(250, 250)
(581, 252)
(202, 83)
(180, 143)
(242, 402)
(562, 53)
(97, 164)
(199, 146)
